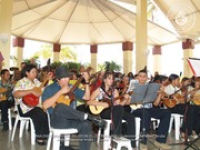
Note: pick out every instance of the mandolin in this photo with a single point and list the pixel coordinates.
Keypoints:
(31, 100)
(69, 97)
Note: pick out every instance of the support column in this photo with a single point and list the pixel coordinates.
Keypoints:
(18, 44)
(141, 35)
(56, 52)
(187, 46)
(5, 30)
(157, 52)
(93, 51)
(127, 48)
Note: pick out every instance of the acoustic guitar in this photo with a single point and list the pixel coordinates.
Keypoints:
(69, 97)
(196, 99)
(172, 101)
(3, 93)
(31, 100)
(96, 110)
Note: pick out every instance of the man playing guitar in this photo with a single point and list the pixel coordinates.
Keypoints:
(64, 116)
(147, 111)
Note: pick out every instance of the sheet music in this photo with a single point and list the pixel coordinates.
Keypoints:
(144, 93)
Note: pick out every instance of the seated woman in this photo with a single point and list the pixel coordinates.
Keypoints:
(116, 111)
(27, 85)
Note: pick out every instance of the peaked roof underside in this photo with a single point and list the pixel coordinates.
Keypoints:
(101, 21)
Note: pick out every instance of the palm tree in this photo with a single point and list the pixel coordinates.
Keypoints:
(112, 66)
(101, 66)
(67, 54)
(45, 52)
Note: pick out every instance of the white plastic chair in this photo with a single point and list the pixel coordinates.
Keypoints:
(24, 121)
(177, 118)
(9, 119)
(56, 133)
(120, 143)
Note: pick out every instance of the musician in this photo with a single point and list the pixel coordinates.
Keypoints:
(24, 87)
(147, 111)
(123, 85)
(6, 98)
(64, 116)
(180, 106)
(164, 81)
(193, 93)
(96, 83)
(116, 111)
(130, 76)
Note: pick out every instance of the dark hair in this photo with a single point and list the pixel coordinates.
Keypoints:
(4, 71)
(75, 72)
(130, 74)
(184, 79)
(106, 74)
(173, 77)
(143, 71)
(27, 68)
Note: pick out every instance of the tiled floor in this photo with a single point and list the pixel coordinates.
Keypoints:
(24, 143)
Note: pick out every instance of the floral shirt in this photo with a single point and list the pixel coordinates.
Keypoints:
(25, 84)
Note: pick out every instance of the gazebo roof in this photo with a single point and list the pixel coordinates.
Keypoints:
(101, 21)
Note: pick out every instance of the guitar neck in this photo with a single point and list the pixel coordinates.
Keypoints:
(43, 83)
(76, 84)
(79, 81)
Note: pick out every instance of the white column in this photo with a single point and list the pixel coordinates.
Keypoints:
(18, 44)
(157, 52)
(56, 52)
(141, 34)
(188, 46)
(94, 60)
(127, 48)
(5, 30)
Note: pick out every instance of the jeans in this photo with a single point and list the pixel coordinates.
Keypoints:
(145, 115)
(64, 117)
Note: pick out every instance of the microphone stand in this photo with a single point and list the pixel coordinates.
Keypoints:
(111, 112)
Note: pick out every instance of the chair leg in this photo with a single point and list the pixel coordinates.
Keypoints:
(177, 126)
(56, 142)
(66, 139)
(171, 122)
(33, 135)
(137, 131)
(9, 119)
(22, 124)
(49, 141)
(14, 128)
(106, 139)
(99, 136)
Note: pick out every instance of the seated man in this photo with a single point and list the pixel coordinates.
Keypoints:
(6, 98)
(147, 111)
(64, 116)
